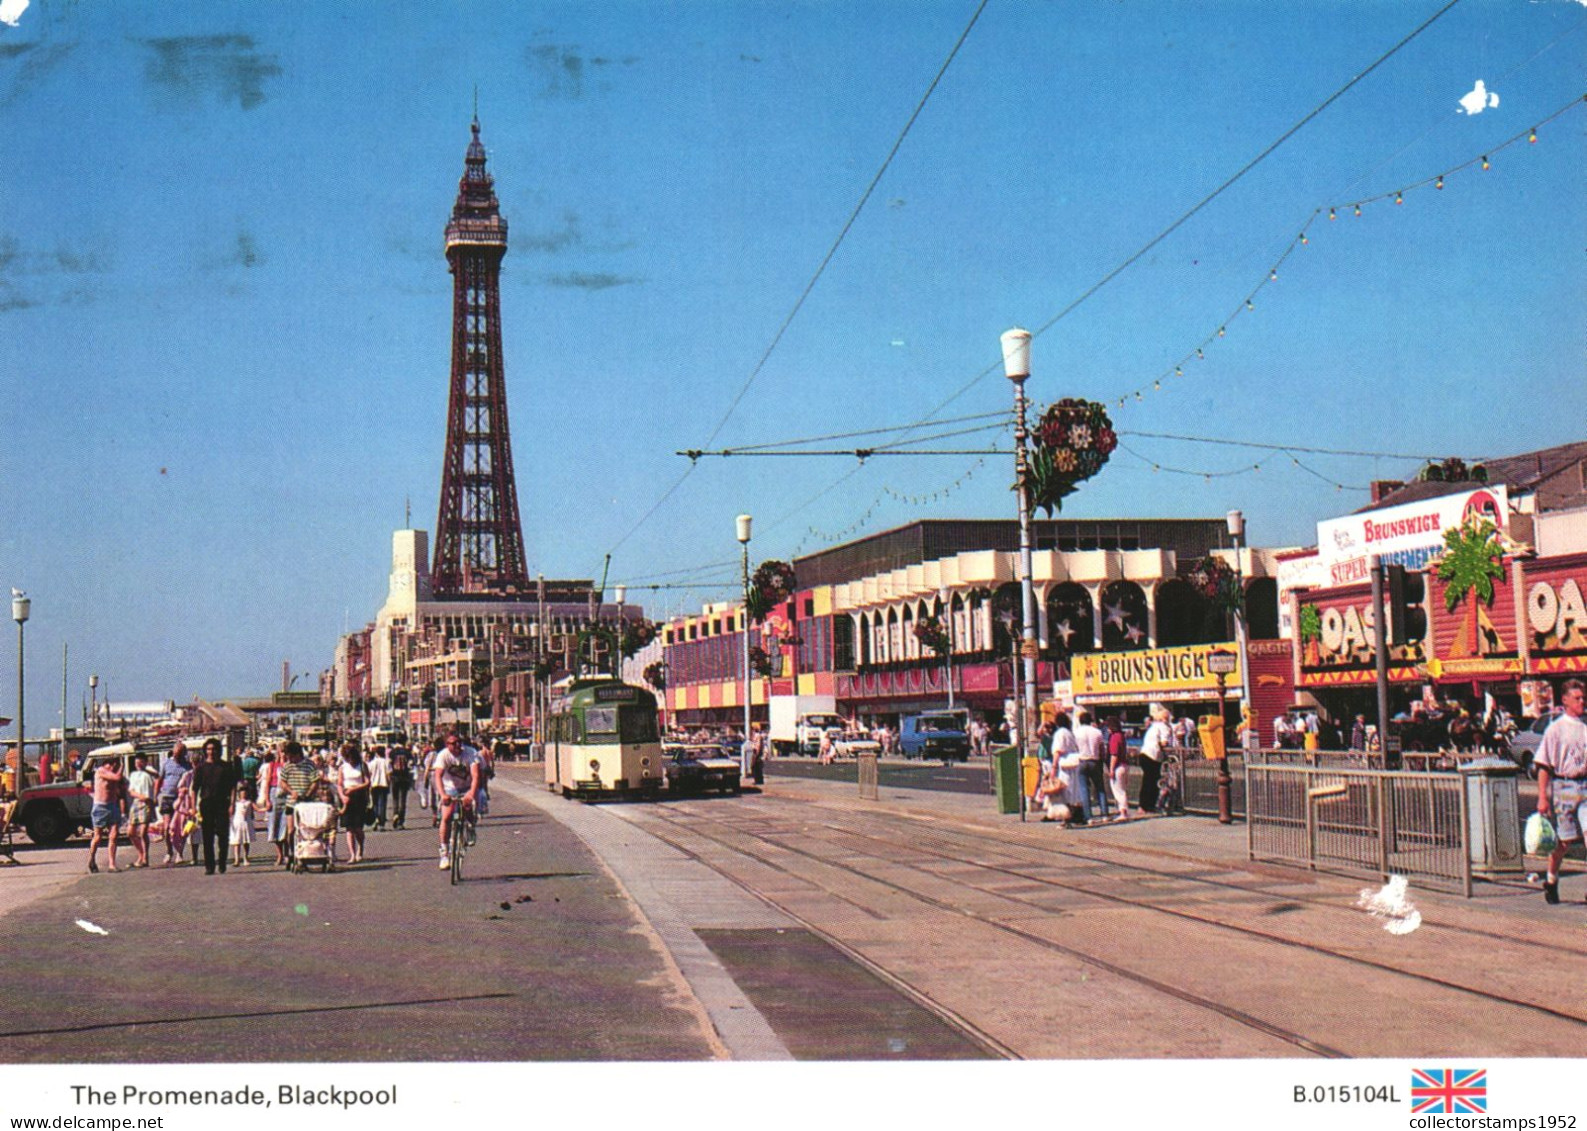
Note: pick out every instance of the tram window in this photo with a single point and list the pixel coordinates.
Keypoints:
(600, 720)
(639, 725)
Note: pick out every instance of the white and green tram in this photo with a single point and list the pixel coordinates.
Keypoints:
(602, 740)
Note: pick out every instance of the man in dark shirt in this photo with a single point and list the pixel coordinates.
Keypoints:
(213, 784)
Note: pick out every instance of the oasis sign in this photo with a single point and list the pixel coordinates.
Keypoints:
(1556, 612)
(1409, 535)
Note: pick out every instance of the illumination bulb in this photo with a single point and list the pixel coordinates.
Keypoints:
(1249, 305)
(1531, 138)
(1399, 198)
(1485, 163)
(1200, 354)
(1332, 215)
(1220, 331)
(1178, 372)
(1158, 385)
(1138, 396)
(1358, 210)
(1273, 275)
(1303, 240)
(1438, 184)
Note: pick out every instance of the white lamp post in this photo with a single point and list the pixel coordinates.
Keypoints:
(745, 523)
(621, 593)
(1236, 521)
(943, 597)
(1016, 366)
(20, 607)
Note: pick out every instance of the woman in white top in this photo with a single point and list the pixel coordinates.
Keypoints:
(1154, 747)
(352, 793)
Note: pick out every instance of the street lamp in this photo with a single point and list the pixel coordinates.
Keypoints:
(1236, 522)
(745, 523)
(93, 703)
(621, 593)
(947, 656)
(20, 607)
(1016, 366)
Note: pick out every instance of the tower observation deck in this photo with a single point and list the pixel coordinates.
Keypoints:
(479, 546)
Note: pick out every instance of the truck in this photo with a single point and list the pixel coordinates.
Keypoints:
(935, 734)
(798, 723)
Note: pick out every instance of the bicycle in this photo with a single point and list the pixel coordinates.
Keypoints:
(460, 837)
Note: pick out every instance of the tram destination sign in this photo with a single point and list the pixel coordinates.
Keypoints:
(615, 695)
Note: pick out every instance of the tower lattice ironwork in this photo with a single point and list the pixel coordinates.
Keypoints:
(479, 540)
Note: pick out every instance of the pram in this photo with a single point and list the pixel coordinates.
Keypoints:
(313, 836)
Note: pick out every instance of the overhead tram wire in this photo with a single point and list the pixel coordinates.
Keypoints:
(820, 270)
(1206, 200)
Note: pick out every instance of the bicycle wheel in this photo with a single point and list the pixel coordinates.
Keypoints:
(457, 844)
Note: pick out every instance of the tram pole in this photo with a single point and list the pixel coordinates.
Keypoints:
(745, 523)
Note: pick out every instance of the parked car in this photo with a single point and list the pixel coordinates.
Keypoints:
(935, 734)
(1524, 743)
(51, 814)
(696, 769)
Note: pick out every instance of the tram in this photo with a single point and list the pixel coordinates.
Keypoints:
(602, 740)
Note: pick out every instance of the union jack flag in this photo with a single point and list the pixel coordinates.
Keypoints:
(1449, 1091)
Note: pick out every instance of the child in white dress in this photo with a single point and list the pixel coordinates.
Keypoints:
(241, 827)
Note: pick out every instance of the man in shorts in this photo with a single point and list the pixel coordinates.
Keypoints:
(299, 781)
(1561, 762)
(140, 814)
(457, 778)
(109, 782)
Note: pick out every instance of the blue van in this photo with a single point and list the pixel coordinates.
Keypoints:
(935, 734)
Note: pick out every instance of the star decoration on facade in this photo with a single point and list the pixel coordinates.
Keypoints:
(1134, 633)
(1066, 630)
(1116, 615)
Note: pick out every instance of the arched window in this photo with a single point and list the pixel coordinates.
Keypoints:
(1123, 617)
(1071, 620)
(1183, 616)
(1261, 608)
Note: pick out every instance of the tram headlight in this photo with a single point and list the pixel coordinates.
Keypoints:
(644, 761)
(595, 766)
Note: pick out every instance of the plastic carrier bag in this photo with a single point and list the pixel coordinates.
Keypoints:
(1539, 835)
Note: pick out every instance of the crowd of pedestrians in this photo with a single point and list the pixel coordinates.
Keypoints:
(208, 808)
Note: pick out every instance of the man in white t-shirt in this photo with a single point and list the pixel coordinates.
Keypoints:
(379, 769)
(456, 780)
(1093, 780)
(1561, 762)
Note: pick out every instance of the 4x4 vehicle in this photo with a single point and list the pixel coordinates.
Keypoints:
(50, 814)
(935, 734)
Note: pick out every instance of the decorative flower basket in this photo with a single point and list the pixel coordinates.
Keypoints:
(931, 634)
(1073, 440)
(772, 584)
(1216, 583)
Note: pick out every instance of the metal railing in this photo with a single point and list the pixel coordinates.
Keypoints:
(1356, 820)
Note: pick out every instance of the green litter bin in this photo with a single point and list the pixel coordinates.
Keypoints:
(1006, 779)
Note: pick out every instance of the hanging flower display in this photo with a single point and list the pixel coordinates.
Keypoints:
(656, 675)
(1073, 440)
(759, 661)
(931, 634)
(637, 635)
(772, 584)
(1216, 583)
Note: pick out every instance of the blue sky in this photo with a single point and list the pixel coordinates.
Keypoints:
(225, 313)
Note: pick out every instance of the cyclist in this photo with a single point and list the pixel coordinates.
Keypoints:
(457, 778)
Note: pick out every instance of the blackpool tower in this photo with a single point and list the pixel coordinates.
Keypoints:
(479, 540)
